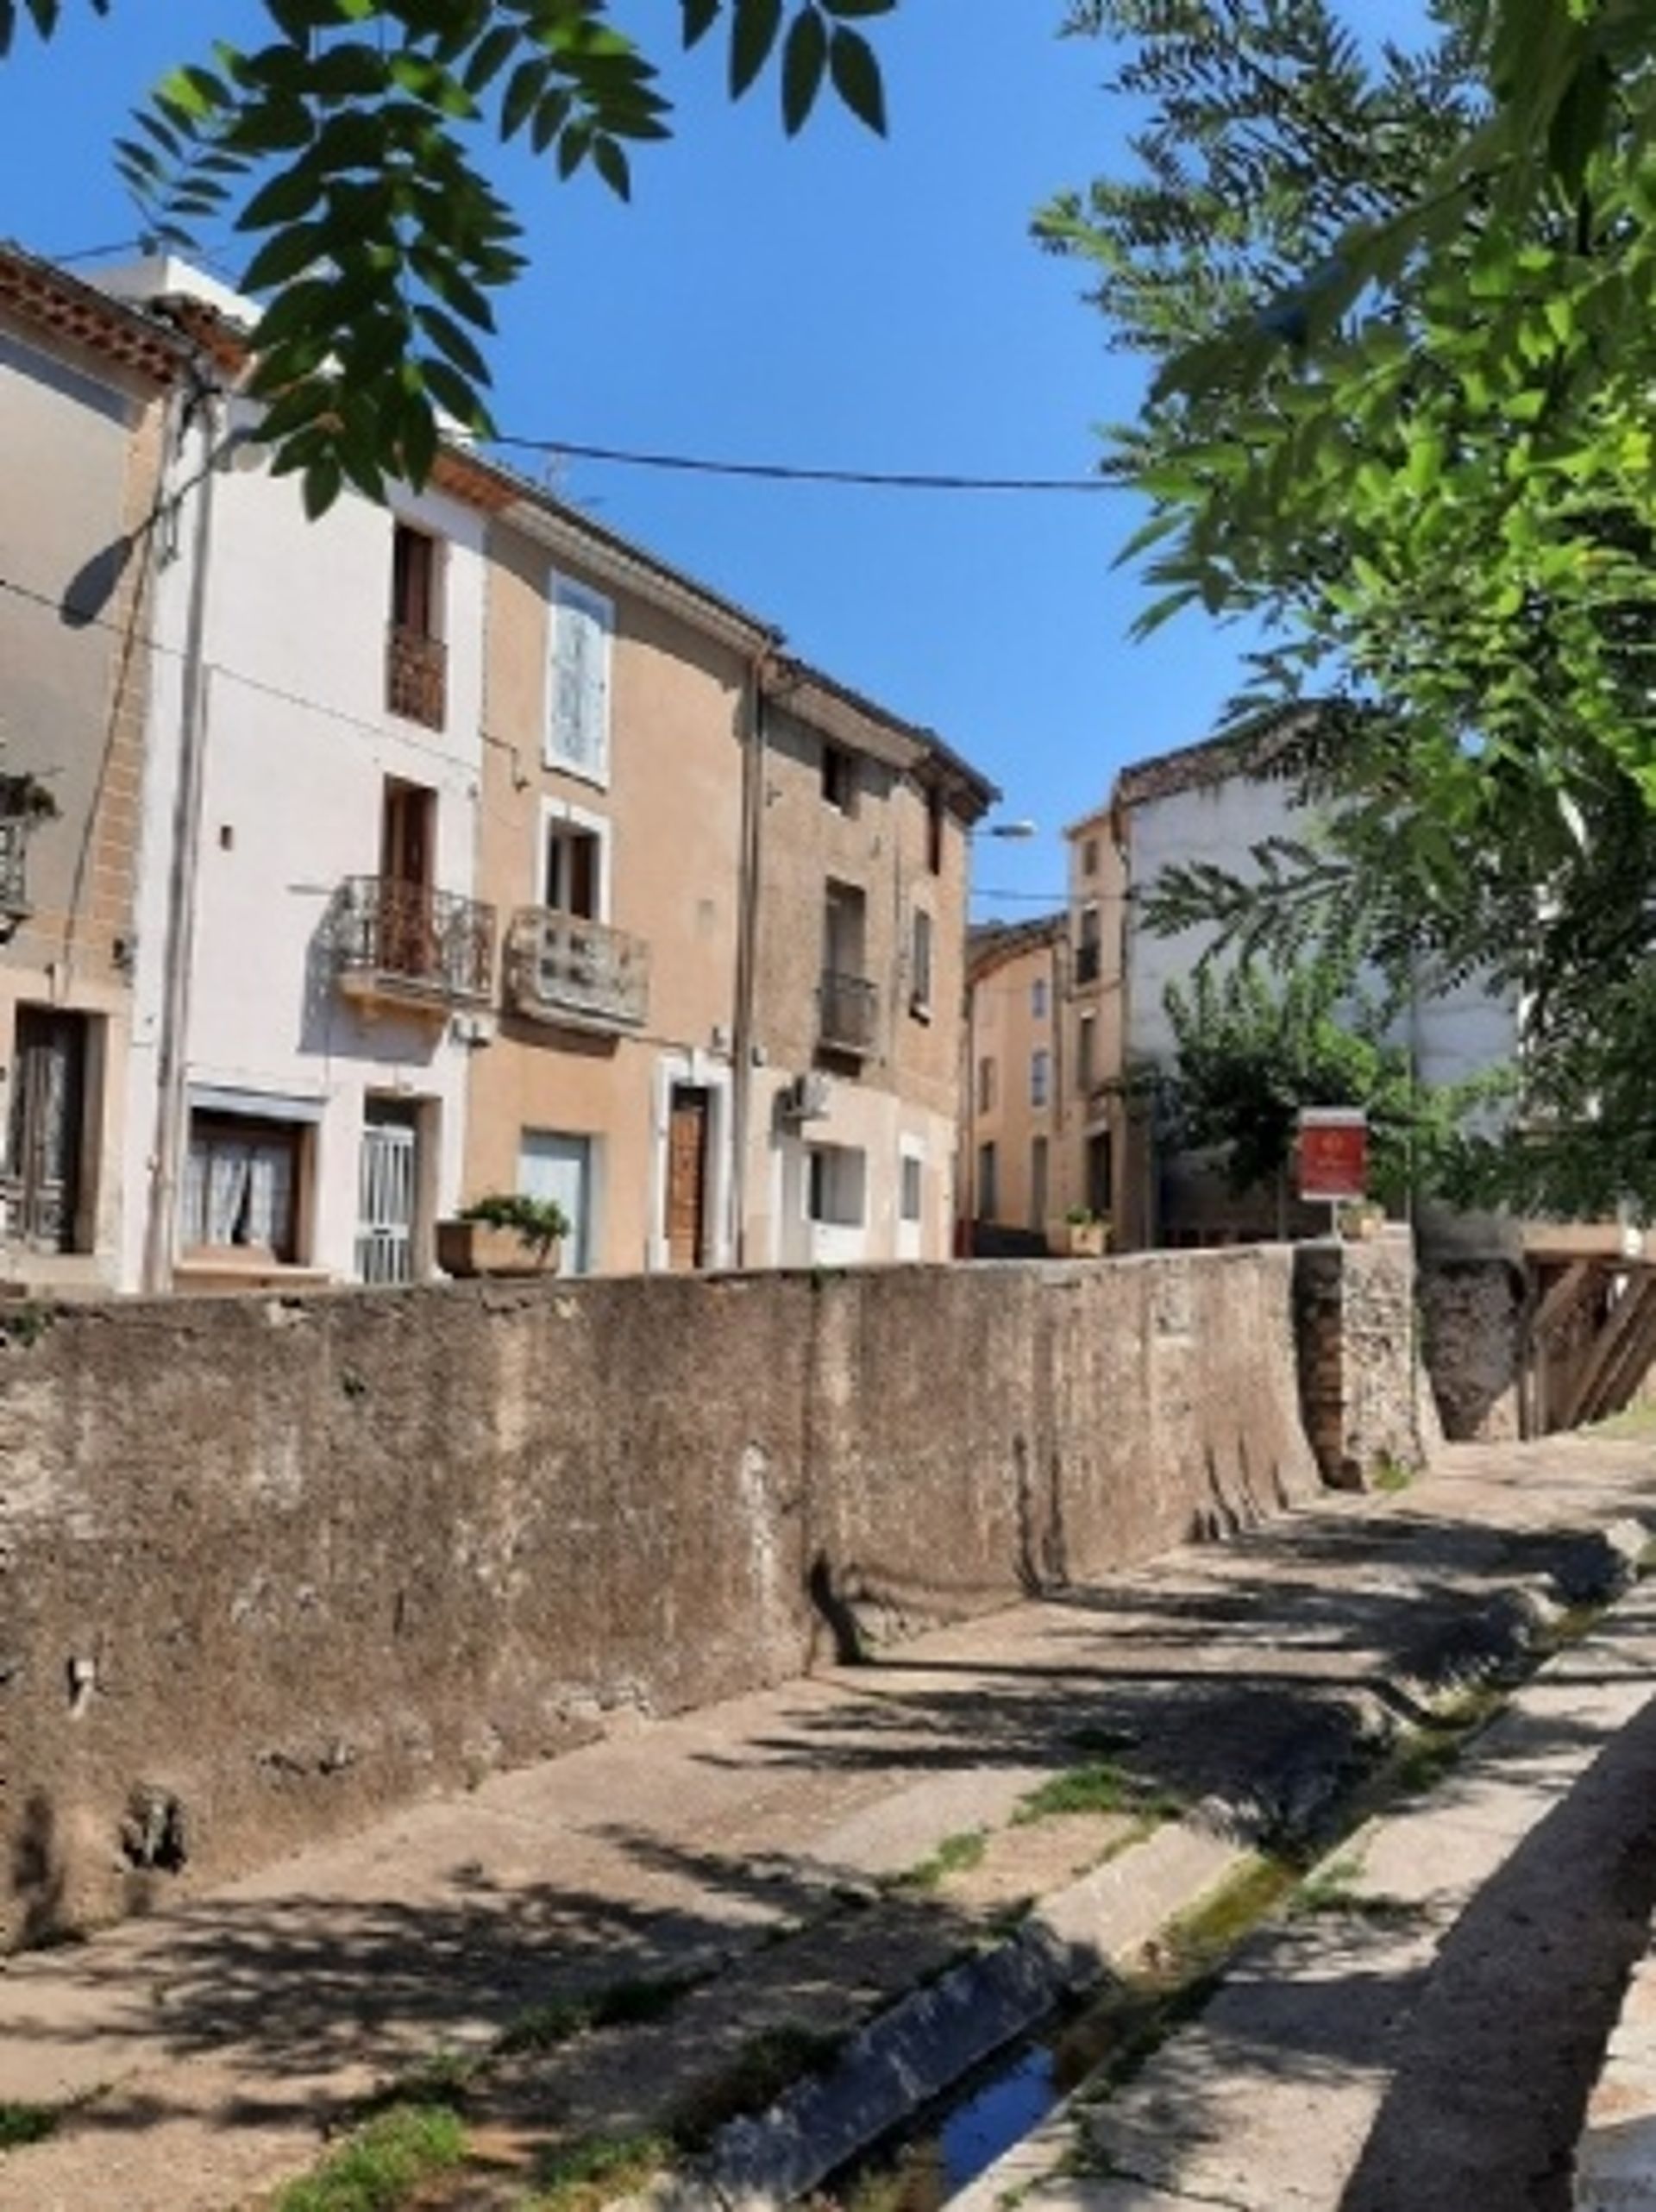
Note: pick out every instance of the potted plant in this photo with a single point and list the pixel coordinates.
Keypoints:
(504, 1233)
(1086, 1237)
(1360, 1220)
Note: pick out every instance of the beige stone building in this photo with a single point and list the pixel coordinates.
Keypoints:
(732, 903)
(615, 704)
(1045, 1119)
(1098, 1141)
(86, 407)
(859, 863)
(1016, 1177)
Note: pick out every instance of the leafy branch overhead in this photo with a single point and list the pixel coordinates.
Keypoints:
(346, 150)
(1397, 307)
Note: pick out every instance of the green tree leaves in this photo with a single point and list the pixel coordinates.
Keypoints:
(1400, 312)
(344, 149)
(1254, 1049)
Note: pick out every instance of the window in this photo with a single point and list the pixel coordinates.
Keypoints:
(986, 1086)
(1087, 947)
(415, 582)
(578, 729)
(416, 664)
(1089, 857)
(838, 1190)
(839, 778)
(934, 822)
(1100, 1176)
(1038, 1182)
(241, 1185)
(913, 1183)
(1086, 1052)
(1040, 1075)
(573, 881)
(920, 964)
(408, 815)
(1038, 999)
(988, 1182)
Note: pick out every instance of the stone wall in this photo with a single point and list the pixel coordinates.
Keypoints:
(1473, 1310)
(1366, 1405)
(269, 1565)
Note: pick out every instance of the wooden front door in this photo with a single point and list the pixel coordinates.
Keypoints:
(686, 1178)
(48, 1082)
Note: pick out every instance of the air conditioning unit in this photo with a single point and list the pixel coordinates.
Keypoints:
(805, 1098)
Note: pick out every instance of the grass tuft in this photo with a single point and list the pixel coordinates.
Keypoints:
(954, 1855)
(1097, 1786)
(767, 2066)
(23, 2124)
(543, 2027)
(377, 2168)
(1390, 1475)
(595, 2172)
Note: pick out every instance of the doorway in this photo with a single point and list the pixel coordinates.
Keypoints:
(689, 1120)
(44, 1133)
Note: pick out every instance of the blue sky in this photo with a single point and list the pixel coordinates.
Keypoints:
(836, 301)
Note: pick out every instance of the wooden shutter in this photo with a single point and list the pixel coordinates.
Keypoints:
(582, 624)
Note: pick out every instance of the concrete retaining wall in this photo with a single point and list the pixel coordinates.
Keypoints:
(268, 1566)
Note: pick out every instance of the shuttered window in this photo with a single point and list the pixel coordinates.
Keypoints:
(578, 728)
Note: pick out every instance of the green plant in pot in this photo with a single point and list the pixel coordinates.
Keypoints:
(504, 1233)
(1086, 1235)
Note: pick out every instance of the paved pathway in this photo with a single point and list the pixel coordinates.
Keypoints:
(217, 2043)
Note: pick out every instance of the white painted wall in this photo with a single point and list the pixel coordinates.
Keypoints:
(298, 744)
(1458, 1034)
(884, 1128)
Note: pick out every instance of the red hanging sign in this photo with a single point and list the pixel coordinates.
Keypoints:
(1333, 1153)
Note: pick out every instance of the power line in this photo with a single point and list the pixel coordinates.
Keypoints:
(783, 472)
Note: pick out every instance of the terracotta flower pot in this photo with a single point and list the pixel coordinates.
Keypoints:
(479, 1248)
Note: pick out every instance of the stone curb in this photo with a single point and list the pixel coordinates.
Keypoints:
(1615, 2158)
(923, 2044)
(918, 2050)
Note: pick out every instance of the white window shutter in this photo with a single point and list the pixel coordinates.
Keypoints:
(580, 732)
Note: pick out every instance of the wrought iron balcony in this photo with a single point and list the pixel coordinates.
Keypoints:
(417, 676)
(563, 968)
(14, 881)
(848, 1014)
(408, 944)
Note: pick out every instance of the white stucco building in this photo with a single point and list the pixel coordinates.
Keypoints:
(310, 959)
(1216, 803)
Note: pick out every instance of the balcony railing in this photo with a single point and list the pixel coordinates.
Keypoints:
(417, 676)
(14, 880)
(560, 967)
(848, 1013)
(408, 943)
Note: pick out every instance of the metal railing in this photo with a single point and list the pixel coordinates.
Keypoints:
(417, 676)
(411, 940)
(14, 877)
(848, 1012)
(560, 966)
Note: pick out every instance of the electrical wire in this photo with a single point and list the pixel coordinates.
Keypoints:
(784, 471)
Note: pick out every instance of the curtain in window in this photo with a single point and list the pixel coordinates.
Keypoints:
(228, 1172)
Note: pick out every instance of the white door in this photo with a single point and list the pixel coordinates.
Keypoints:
(387, 1194)
(551, 1165)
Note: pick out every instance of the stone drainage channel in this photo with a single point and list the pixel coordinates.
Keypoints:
(931, 2102)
